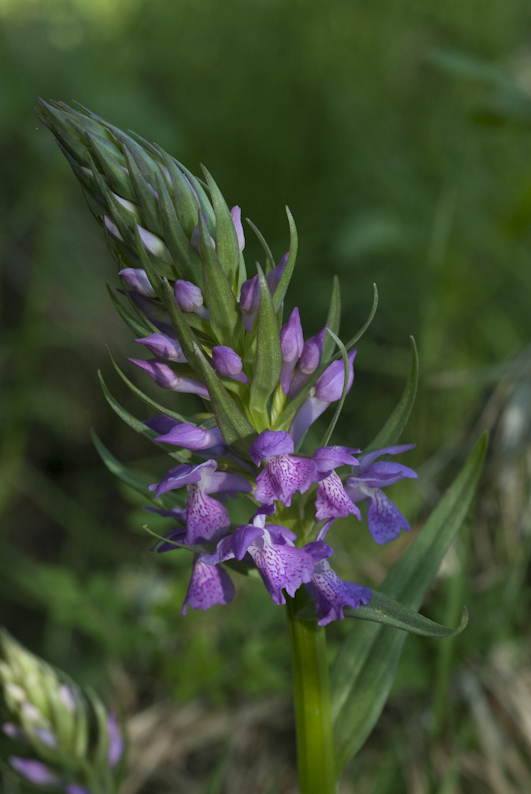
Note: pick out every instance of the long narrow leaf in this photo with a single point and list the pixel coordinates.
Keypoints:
(392, 430)
(225, 317)
(389, 612)
(333, 319)
(226, 240)
(283, 284)
(268, 354)
(364, 668)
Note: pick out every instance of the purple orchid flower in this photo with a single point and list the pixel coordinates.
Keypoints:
(164, 346)
(284, 474)
(116, 742)
(165, 377)
(282, 565)
(332, 593)
(209, 585)
(227, 362)
(332, 500)
(292, 345)
(384, 519)
(328, 389)
(206, 518)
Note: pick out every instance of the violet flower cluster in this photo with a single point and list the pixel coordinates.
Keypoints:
(213, 331)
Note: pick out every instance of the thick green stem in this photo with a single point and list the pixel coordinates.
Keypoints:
(313, 716)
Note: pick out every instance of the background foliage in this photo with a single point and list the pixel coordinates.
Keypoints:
(399, 133)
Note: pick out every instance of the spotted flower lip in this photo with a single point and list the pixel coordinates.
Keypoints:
(209, 585)
(332, 594)
(383, 517)
(332, 501)
(284, 474)
(282, 565)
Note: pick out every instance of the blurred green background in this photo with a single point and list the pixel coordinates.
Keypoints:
(399, 134)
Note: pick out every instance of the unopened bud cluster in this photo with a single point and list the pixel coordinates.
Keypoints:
(63, 739)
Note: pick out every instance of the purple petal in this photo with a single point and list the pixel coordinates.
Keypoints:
(332, 501)
(274, 275)
(33, 771)
(13, 731)
(70, 789)
(269, 443)
(328, 458)
(165, 377)
(46, 737)
(281, 567)
(116, 742)
(138, 279)
(283, 476)
(312, 352)
(172, 537)
(225, 481)
(176, 478)
(383, 473)
(224, 551)
(188, 295)
(384, 519)
(366, 460)
(191, 437)
(281, 535)
(329, 386)
(318, 550)
(243, 538)
(208, 586)
(163, 346)
(332, 594)
(236, 215)
(206, 518)
(291, 343)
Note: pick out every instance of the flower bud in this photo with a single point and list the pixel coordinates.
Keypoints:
(291, 344)
(165, 377)
(228, 363)
(138, 280)
(236, 215)
(189, 297)
(163, 346)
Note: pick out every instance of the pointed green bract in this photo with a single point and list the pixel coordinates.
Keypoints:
(144, 197)
(268, 361)
(392, 430)
(186, 260)
(283, 284)
(225, 316)
(185, 203)
(364, 668)
(226, 239)
(333, 320)
(136, 327)
(270, 262)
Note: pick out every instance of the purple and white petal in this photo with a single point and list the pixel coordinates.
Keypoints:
(209, 585)
(176, 478)
(283, 476)
(206, 518)
(384, 519)
(332, 594)
(332, 501)
(281, 567)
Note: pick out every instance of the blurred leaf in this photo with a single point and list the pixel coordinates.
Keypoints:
(333, 320)
(392, 430)
(389, 612)
(364, 668)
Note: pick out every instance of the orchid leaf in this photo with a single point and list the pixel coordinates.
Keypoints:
(388, 612)
(227, 248)
(283, 284)
(364, 668)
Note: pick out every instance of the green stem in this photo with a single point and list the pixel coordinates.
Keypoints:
(313, 716)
